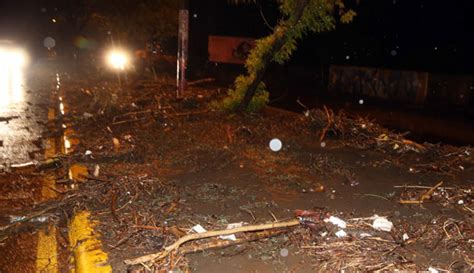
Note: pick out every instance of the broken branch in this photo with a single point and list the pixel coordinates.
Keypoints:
(196, 236)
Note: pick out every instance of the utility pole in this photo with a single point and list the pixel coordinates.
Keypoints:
(182, 58)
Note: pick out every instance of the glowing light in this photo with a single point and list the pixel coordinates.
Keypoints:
(13, 58)
(53, 20)
(118, 59)
(275, 145)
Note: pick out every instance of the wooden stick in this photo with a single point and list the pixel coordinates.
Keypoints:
(423, 197)
(428, 193)
(421, 187)
(196, 236)
(226, 243)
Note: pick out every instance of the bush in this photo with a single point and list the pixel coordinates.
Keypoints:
(235, 95)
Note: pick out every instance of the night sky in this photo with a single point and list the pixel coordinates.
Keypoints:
(435, 36)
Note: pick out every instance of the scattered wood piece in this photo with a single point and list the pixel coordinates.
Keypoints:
(226, 243)
(423, 197)
(191, 237)
(421, 187)
(207, 80)
(330, 121)
(428, 193)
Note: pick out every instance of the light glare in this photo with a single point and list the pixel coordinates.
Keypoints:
(117, 59)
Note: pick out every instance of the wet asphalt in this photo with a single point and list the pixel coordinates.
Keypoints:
(24, 100)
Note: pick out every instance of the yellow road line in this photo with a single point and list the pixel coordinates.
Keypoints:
(84, 241)
(46, 257)
(87, 248)
(47, 250)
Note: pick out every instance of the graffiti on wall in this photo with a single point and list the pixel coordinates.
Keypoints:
(224, 49)
(399, 85)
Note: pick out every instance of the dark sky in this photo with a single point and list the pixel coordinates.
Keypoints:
(427, 35)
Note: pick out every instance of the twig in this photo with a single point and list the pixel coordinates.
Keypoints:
(375, 195)
(251, 214)
(329, 115)
(421, 187)
(428, 193)
(197, 236)
(423, 197)
(227, 243)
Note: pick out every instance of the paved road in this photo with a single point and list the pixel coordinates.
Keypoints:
(24, 98)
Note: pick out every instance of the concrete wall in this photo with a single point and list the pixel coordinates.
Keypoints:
(450, 89)
(399, 85)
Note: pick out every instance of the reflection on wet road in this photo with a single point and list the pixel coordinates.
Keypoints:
(21, 114)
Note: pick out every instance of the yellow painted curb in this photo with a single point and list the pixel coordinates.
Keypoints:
(86, 246)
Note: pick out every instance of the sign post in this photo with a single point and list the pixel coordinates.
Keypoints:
(182, 58)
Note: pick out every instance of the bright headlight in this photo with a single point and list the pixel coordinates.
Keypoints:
(118, 59)
(13, 58)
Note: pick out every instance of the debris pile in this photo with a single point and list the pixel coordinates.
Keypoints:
(359, 132)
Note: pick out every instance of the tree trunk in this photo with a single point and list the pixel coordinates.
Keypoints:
(278, 43)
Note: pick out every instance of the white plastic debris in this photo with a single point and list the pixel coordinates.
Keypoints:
(324, 234)
(381, 223)
(14, 219)
(88, 152)
(198, 229)
(231, 237)
(96, 170)
(336, 221)
(23, 165)
(40, 219)
(363, 235)
(432, 270)
(341, 233)
(228, 237)
(275, 145)
(460, 202)
(405, 237)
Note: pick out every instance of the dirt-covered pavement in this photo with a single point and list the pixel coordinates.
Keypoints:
(156, 169)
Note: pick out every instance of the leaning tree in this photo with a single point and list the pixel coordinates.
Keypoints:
(299, 17)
